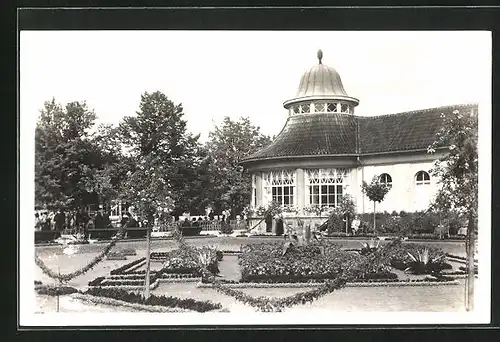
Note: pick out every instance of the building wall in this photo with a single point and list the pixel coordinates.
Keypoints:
(402, 167)
(404, 194)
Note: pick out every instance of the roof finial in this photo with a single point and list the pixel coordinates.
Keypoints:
(320, 55)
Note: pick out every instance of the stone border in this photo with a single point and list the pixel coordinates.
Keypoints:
(359, 284)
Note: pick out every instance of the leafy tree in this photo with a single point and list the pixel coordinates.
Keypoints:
(376, 192)
(164, 155)
(65, 156)
(458, 177)
(168, 158)
(228, 144)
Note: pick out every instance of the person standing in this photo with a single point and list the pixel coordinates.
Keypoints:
(59, 220)
(99, 221)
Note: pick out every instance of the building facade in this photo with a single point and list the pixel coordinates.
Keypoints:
(326, 151)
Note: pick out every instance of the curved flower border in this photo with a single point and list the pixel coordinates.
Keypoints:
(267, 304)
(68, 276)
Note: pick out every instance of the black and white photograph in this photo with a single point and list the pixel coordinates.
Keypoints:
(175, 177)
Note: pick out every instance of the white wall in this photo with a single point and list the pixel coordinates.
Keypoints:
(404, 194)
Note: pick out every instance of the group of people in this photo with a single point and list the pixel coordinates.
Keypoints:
(79, 220)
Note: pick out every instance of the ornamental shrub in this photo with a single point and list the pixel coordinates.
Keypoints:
(334, 224)
(226, 228)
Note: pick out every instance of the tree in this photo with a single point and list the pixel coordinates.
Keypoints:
(458, 178)
(376, 192)
(65, 156)
(228, 144)
(157, 140)
(163, 153)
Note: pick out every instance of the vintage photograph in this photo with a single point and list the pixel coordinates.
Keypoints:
(254, 177)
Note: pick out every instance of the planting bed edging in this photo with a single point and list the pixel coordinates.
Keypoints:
(308, 285)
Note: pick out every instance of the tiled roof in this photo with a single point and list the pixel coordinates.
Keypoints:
(317, 134)
(403, 131)
(344, 134)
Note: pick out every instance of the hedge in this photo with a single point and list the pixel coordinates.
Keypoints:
(191, 304)
(122, 269)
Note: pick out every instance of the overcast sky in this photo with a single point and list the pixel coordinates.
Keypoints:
(236, 73)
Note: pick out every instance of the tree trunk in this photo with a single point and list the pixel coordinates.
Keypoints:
(374, 215)
(470, 246)
(148, 264)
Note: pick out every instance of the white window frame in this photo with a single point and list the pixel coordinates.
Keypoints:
(281, 181)
(326, 177)
(423, 181)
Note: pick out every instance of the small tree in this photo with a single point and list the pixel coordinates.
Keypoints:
(458, 178)
(376, 192)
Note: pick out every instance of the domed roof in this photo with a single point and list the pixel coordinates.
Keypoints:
(320, 80)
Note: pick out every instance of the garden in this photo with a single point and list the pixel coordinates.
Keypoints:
(271, 275)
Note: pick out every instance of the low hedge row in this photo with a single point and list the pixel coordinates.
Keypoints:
(51, 290)
(191, 304)
(122, 269)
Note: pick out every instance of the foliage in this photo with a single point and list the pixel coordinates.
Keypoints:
(165, 155)
(267, 304)
(191, 304)
(369, 247)
(318, 261)
(125, 267)
(335, 223)
(376, 190)
(59, 290)
(67, 161)
(226, 228)
(457, 170)
(422, 263)
(413, 257)
(228, 144)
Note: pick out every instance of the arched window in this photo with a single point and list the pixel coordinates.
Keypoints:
(422, 178)
(386, 179)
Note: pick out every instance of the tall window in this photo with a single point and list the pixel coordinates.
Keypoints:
(282, 186)
(422, 178)
(386, 179)
(325, 186)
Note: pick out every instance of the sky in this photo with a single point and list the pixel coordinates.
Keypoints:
(249, 73)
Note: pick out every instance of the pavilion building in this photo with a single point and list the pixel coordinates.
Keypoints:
(325, 151)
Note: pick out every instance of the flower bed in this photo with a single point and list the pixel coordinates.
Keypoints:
(314, 262)
(173, 302)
